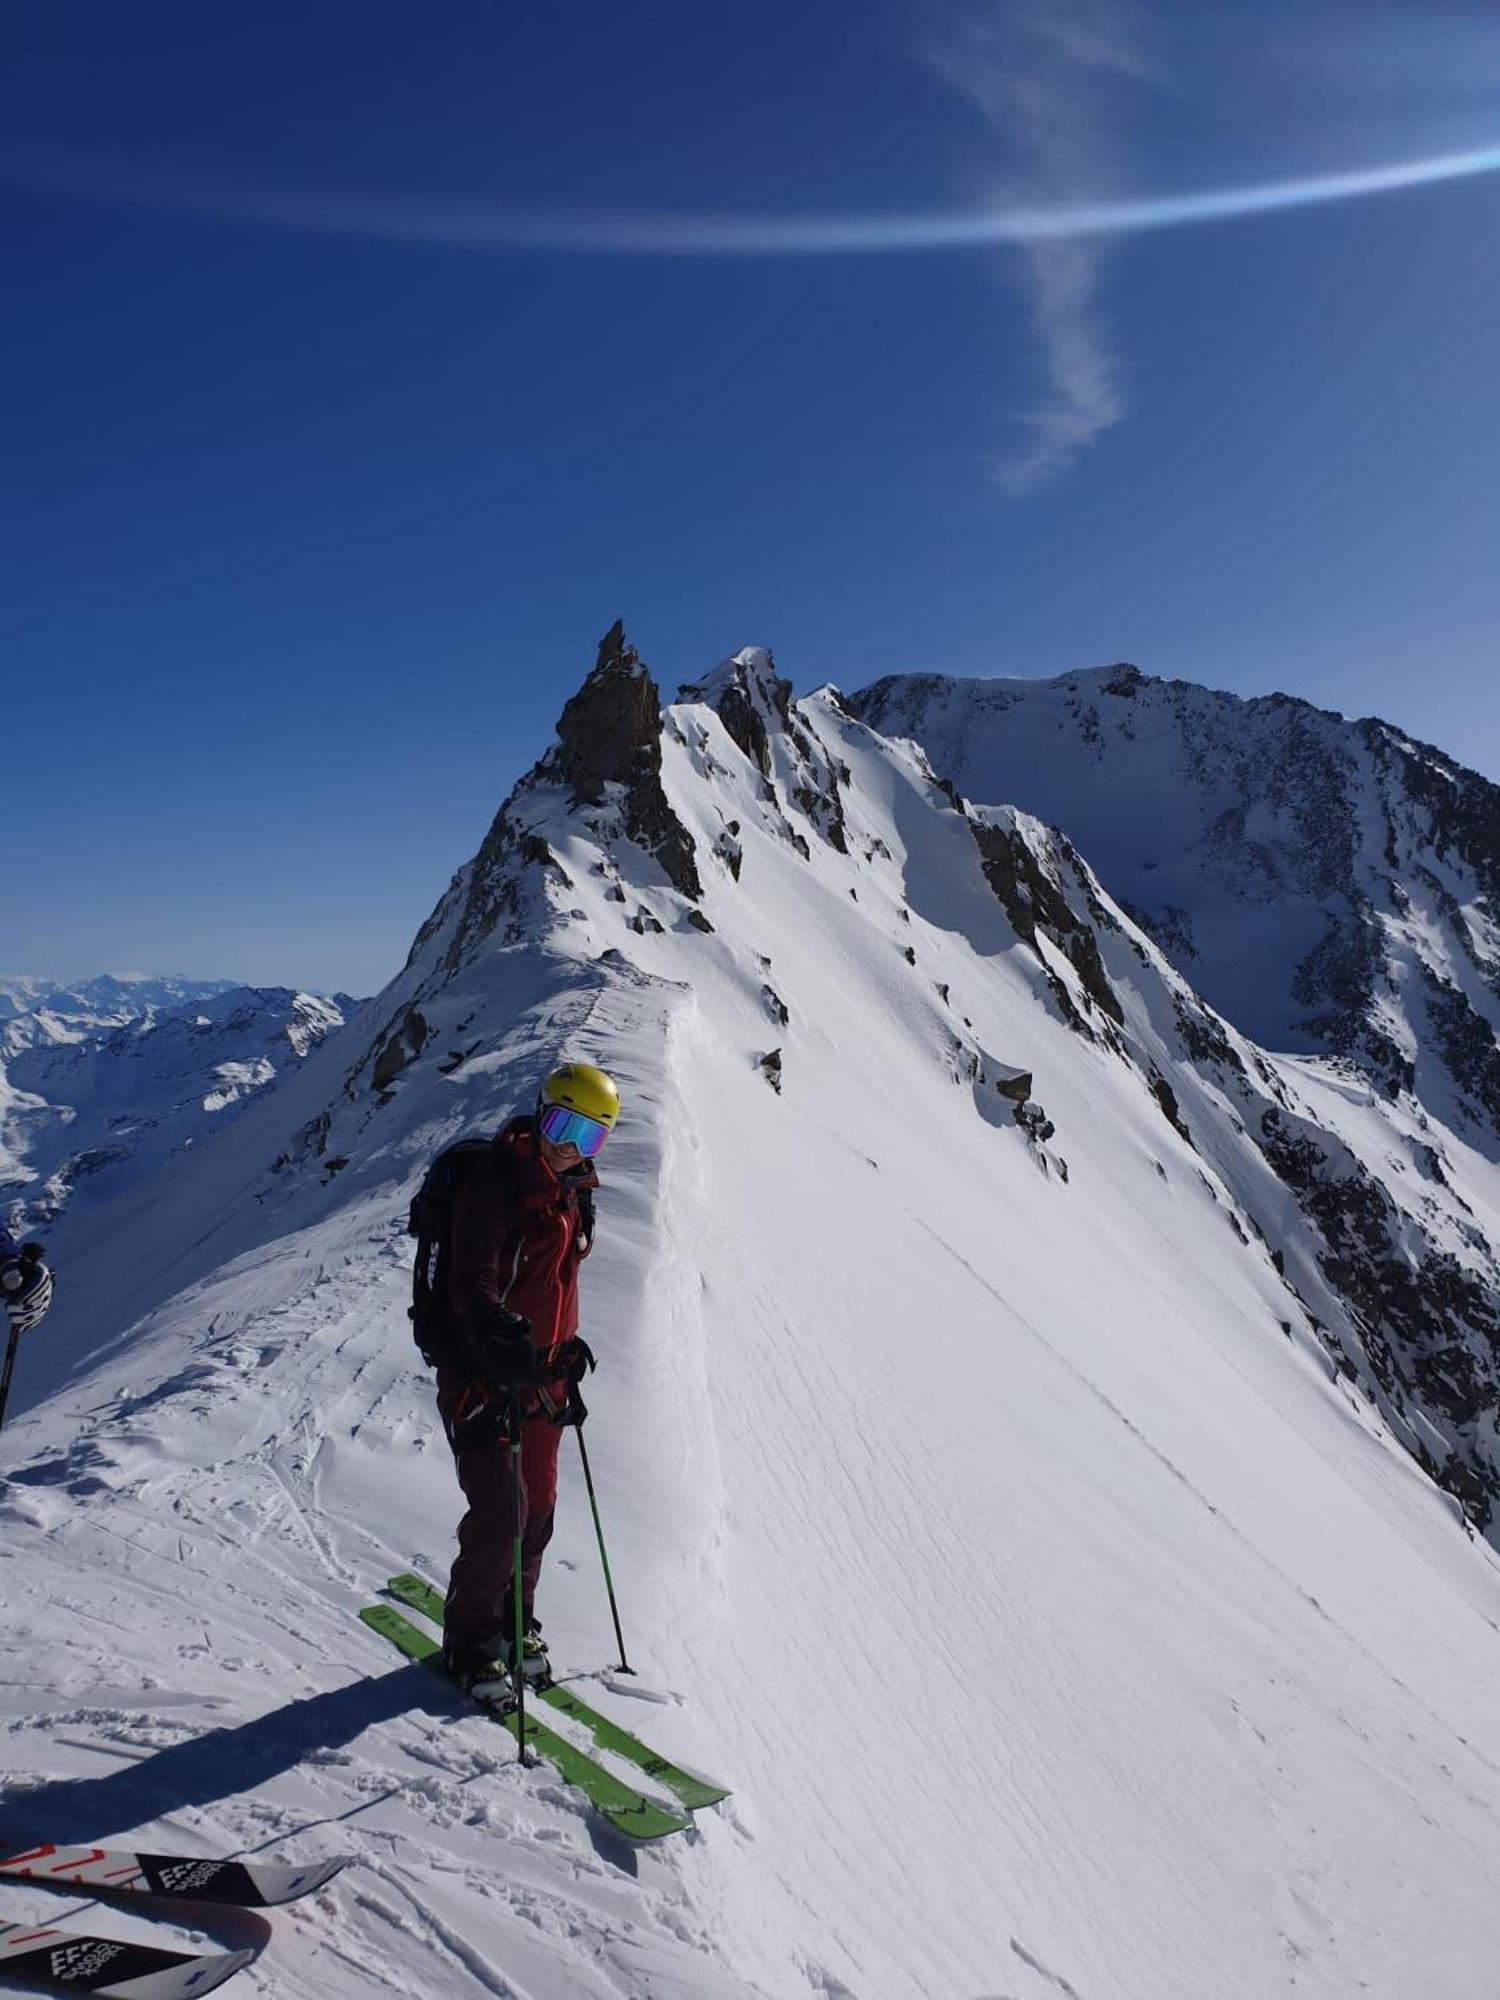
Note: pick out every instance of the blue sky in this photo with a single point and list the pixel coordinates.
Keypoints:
(326, 467)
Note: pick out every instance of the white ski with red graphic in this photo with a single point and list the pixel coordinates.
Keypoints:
(251, 1885)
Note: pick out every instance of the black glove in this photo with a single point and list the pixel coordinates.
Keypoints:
(575, 1359)
(505, 1355)
(574, 1412)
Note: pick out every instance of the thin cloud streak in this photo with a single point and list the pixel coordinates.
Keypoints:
(483, 226)
(1083, 375)
(1046, 77)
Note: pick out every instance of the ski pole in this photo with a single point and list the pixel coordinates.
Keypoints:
(518, 1664)
(609, 1582)
(10, 1362)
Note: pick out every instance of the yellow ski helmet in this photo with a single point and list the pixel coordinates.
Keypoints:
(589, 1096)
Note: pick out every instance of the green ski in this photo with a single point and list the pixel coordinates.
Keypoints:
(629, 1812)
(693, 1791)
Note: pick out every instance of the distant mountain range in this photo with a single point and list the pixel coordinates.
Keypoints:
(36, 1011)
(101, 1082)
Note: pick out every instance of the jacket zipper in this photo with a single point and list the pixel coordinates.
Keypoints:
(559, 1261)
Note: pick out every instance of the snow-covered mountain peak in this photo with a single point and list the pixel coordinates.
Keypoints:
(751, 699)
(748, 676)
(1330, 885)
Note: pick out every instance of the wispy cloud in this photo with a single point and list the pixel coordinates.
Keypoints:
(492, 226)
(1084, 377)
(1046, 76)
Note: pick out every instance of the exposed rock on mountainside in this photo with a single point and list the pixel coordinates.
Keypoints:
(1405, 1295)
(607, 759)
(401, 1045)
(610, 734)
(1032, 900)
(754, 703)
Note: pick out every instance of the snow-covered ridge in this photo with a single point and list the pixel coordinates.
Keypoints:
(1000, 1354)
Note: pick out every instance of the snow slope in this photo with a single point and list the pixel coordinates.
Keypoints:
(984, 1508)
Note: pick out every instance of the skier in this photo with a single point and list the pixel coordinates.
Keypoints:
(522, 1224)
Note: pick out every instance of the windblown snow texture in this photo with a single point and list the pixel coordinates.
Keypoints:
(1010, 1431)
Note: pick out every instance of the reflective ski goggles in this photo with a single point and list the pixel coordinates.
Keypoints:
(571, 1128)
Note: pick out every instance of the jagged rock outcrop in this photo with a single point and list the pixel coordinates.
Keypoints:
(754, 704)
(401, 1044)
(610, 734)
(1033, 901)
(747, 690)
(607, 757)
(602, 775)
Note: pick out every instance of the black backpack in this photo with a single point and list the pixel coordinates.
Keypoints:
(433, 1322)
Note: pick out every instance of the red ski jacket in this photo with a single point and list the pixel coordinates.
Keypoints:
(518, 1238)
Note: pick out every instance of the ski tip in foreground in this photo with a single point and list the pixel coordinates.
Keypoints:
(184, 1982)
(281, 1882)
(77, 1961)
(645, 1822)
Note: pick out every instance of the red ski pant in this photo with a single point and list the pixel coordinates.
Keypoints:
(479, 1609)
